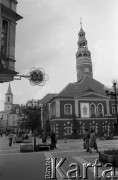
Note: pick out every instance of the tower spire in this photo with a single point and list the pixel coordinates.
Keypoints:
(81, 23)
(9, 89)
(8, 99)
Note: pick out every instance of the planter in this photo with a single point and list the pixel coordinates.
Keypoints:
(105, 158)
(26, 147)
(41, 147)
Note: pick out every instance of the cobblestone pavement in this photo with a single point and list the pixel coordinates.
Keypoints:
(31, 166)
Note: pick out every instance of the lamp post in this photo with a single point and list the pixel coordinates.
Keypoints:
(113, 93)
(33, 105)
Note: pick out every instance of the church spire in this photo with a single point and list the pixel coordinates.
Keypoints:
(81, 23)
(83, 56)
(8, 99)
(9, 89)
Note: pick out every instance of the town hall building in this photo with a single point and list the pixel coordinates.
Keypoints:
(84, 101)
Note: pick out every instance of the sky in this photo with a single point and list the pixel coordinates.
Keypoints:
(47, 38)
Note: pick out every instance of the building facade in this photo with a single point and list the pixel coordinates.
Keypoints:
(8, 19)
(84, 101)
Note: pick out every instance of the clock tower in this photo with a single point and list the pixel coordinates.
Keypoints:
(83, 57)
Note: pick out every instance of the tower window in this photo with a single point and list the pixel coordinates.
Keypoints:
(85, 54)
(8, 99)
(80, 55)
(83, 44)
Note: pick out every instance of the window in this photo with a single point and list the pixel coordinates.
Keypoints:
(67, 109)
(113, 109)
(80, 55)
(53, 109)
(4, 37)
(94, 126)
(8, 99)
(100, 110)
(82, 128)
(93, 111)
(68, 128)
(85, 54)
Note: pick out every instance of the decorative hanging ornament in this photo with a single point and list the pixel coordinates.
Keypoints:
(37, 76)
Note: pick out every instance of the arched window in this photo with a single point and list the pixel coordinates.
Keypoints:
(93, 109)
(100, 109)
(85, 54)
(8, 99)
(113, 109)
(67, 109)
(80, 55)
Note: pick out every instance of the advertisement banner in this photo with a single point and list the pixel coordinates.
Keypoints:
(85, 110)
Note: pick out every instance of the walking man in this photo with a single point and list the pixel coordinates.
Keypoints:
(10, 138)
(86, 139)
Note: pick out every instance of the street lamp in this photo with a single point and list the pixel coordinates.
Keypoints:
(113, 93)
(34, 105)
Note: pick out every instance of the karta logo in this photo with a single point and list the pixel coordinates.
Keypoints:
(54, 168)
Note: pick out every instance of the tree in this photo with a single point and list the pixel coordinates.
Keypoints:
(28, 118)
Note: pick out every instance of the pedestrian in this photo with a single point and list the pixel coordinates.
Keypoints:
(44, 137)
(65, 137)
(86, 139)
(92, 142)
(10, 138)
(53, 139)
(1, 134)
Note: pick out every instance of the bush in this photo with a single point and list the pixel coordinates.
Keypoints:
(74, 136)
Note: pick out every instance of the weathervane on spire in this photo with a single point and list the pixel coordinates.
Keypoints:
(81, 22)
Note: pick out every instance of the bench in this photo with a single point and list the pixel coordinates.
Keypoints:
(42, 147)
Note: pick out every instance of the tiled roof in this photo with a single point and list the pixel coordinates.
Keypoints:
(87, 84)
(47, 98)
